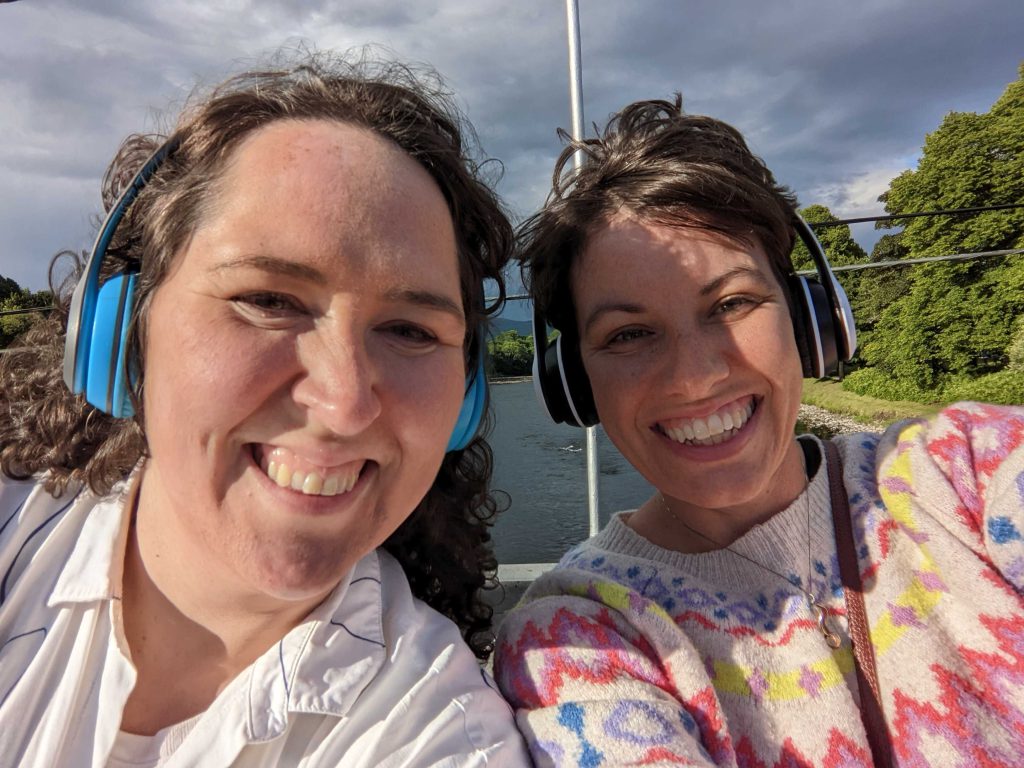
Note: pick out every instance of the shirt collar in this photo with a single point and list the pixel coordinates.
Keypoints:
(94, 569)
(325, 663)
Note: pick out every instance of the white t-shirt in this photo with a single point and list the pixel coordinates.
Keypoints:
(136, 751)
(372, 677)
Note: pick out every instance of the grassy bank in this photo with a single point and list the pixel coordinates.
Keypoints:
(831, 396)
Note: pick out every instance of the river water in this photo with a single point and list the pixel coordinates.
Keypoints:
(542, 467)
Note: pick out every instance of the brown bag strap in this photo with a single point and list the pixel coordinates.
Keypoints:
(863, 651)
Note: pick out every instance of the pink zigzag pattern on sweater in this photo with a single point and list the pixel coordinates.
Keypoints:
(953, 715)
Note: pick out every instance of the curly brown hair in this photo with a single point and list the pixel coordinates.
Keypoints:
(665, 166)
(444, 545)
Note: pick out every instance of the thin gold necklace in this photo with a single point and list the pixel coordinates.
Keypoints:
(832, 638)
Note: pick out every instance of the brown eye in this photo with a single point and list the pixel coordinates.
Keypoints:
(628, 334)
(734, 304)
(411, 334)
(269, 303)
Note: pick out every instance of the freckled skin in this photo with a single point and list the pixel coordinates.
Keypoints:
(699, 322)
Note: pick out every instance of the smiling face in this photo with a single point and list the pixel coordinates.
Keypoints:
(688, 343)
(304, 363)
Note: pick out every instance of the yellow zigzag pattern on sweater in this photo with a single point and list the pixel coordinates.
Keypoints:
(918, 596)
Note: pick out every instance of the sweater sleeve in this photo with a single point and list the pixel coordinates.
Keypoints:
(966, 469)
(590, 689)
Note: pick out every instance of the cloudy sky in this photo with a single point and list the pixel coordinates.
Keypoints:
(837, 96)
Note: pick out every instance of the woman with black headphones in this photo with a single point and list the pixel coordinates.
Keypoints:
(244, 503)
(778, 600)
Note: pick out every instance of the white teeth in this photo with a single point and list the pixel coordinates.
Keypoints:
(311, 484)
(739, 417)
(715, 425)
(717, 428)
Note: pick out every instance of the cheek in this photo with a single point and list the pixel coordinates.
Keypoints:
(614, 383)
(426, 397)
(205, 375)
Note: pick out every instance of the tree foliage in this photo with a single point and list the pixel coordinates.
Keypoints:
(13, 299)
(837, 242)
(934, 327)
(511, 354)
(880, 288)
(7, 287)
(1015, 351)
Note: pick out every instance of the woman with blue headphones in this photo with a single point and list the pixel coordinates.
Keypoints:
(252, 529)
(778, 600)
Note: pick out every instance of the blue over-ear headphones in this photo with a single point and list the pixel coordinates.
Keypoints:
(824, 328)
(473, 404)
(94, 348)
(95, 354)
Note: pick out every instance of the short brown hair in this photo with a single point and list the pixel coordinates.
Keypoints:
(662, 165)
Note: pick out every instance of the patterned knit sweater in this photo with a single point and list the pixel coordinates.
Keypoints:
(630, 654)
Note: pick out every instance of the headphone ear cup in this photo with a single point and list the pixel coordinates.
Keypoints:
(472, 411)
(814, 327)
(575, 383)
(561, 384)
(106, 377)
(846, 333)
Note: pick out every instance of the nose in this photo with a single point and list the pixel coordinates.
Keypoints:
(338, 383)
(696, 363)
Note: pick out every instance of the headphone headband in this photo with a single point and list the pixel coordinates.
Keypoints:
(98, 318)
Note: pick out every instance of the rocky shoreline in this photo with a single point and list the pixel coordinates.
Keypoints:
(819, 420)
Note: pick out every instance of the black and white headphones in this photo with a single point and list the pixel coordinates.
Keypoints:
(824, 328)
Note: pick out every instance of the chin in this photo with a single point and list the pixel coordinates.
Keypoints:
(304, 578)
(711, 491)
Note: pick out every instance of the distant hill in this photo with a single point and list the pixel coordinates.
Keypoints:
(501, 324)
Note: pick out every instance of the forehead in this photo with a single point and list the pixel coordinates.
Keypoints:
(317, 190)
(626, 250)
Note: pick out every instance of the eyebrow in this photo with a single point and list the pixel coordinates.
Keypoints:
(604, 309)
(709, 287)
(294, 269)
(427, 299)
(718, 282)
(273, 265)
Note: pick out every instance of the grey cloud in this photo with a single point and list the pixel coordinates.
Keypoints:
(830, 93)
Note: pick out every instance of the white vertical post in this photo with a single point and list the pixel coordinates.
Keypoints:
(572, 18)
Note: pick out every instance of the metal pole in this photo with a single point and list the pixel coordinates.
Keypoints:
(572, 22)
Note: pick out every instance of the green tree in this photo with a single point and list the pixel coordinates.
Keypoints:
(837, 242)
(949, 322)
(511, 354)
(7, 287)
(13, 320)
(879, 288)
(1015, 352)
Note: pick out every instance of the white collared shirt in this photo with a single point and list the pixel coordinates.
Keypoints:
(372, 677)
